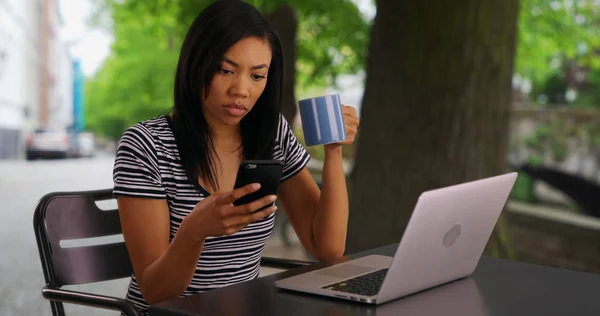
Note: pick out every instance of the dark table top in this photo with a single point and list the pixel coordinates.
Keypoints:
(497, 287)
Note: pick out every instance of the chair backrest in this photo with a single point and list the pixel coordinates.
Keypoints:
(582, 191)
(69, 216)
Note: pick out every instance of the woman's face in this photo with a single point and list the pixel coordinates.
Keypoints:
(239, 81)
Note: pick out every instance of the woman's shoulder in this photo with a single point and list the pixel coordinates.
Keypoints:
(283, 128)
(155, 125)
(148, 137)
(150, 130)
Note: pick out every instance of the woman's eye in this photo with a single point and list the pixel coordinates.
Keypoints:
(225, 71)
(258, 77)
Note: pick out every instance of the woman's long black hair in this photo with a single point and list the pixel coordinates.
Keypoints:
(213, 32)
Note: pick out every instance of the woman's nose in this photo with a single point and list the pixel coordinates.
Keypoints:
(240, 88)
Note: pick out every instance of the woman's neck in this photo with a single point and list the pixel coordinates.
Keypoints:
(225, 137)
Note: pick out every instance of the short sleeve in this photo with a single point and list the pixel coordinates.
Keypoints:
(136, 171)
(295, 155)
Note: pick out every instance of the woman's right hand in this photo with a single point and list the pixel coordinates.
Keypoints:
(217, 216)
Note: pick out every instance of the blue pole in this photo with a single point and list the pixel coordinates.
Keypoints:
(78, 98)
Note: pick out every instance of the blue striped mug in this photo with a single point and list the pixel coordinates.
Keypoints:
(322, 120)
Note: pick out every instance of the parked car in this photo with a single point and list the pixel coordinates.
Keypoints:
(85, 145)
(48, 143)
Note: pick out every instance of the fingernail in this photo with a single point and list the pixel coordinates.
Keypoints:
(272, 198)
(256, 186)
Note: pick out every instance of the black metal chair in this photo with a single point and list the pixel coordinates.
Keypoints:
(582, 191)
(61, 216)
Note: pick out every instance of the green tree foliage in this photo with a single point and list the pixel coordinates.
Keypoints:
(136, 80)
(552, 33)
(591, 95)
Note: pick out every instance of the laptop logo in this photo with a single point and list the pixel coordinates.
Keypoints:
(452, 236)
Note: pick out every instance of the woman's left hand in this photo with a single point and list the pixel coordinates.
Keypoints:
(351, 121)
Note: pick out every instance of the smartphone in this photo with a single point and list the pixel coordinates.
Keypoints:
(266, 172)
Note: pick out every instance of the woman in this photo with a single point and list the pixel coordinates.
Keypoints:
(174, 174)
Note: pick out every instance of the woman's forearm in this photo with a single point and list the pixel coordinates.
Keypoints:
(168, 276)
(331, 221)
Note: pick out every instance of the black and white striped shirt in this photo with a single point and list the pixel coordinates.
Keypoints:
(147, 165)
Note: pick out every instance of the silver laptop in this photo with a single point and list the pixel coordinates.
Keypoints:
(443, 241)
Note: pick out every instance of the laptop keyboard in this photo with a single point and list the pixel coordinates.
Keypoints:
(367, 285)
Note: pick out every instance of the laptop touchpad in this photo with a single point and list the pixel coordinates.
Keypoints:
(345, 271)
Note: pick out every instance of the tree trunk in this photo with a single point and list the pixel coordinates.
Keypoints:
(435, 110)
(285, 23)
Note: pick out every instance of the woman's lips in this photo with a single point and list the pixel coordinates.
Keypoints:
(235, 109)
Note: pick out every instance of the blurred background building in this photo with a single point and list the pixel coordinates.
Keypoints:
(36, 75)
